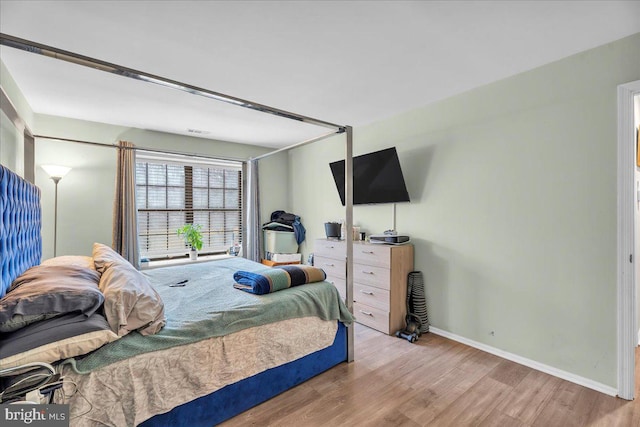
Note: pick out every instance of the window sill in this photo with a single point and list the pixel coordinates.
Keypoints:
(181, 261)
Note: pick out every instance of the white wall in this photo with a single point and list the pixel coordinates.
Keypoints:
(513, 211)
(85, 195)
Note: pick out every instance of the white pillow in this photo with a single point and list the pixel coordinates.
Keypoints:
(130, 302)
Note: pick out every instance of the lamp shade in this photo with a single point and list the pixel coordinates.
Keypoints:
(55, 171)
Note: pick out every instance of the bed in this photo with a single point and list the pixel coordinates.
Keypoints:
(231, 351)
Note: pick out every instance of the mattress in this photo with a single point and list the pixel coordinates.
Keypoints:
(208, 306)
(130, 391)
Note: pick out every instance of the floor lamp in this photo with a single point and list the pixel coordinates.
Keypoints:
(55, 173)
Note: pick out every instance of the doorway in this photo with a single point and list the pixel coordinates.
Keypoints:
(627, 302)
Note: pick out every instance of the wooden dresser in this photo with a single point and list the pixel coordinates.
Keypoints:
(379, 280)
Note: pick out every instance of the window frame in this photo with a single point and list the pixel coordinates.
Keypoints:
(229, 234)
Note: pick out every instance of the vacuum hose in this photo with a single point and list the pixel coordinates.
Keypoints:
(418, 300)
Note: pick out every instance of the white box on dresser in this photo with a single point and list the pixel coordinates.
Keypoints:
(379, 279)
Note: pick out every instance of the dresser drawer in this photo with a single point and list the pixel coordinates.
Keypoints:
(340, 284)
(372, 317)
(372, 254)
(333, 267)
(336, 249)
(373, 297)
(372, 276)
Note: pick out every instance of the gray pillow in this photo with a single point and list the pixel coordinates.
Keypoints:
(130, 302)
(43, 292)
(55, 339)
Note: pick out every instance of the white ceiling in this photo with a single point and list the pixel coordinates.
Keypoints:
(347, 62)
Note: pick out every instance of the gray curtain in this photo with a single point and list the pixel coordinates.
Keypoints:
(125, 214)
(254, 233)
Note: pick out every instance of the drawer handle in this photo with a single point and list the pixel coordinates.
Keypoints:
(332, 282)
(367, 252)
(331, 247)
(329, 265)
(367, 272)
(366, 292)
(368, 313)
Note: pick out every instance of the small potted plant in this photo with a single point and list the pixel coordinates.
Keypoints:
(193, 237)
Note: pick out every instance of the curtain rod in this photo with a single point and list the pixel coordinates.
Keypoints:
(153, 150)
(86, 61)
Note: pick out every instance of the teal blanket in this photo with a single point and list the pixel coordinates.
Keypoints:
(207, 305)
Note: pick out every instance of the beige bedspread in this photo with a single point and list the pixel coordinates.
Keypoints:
(130, 391)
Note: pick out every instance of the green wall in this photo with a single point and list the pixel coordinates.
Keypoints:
(11, 138)
(513, 211)
(86, 194)
(11, 145)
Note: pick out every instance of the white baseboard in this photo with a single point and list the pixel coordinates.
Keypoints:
(594, 385)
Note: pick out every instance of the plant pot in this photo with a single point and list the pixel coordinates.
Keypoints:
(193, 255)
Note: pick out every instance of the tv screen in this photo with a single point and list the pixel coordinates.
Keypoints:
(377, 178)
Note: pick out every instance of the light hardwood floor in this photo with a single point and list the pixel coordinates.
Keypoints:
(437, 382)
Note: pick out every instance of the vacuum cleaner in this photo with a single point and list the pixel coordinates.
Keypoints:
(411, 332)
(413, 324)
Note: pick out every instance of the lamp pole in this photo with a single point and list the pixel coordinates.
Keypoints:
(56, 180)
(55, 173)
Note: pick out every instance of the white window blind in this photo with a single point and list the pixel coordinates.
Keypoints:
(173, 190)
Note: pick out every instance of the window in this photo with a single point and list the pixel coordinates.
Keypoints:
(173, 190)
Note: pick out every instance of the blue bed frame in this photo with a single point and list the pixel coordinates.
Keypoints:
(21, 248)
(236, 398)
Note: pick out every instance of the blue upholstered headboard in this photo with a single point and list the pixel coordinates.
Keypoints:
(20, 223)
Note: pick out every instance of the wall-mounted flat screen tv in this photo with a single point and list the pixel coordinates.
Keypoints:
(377, 178)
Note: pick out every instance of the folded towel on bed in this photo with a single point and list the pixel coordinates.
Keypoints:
(277, 278)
